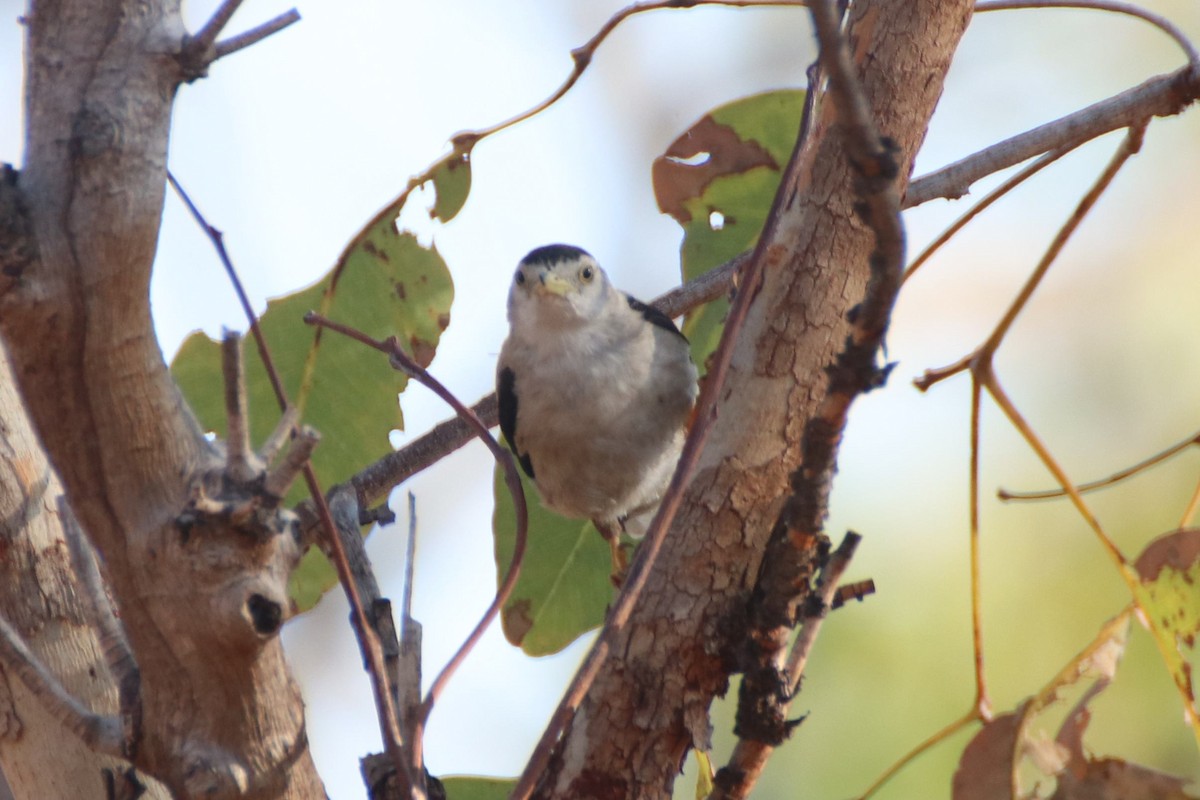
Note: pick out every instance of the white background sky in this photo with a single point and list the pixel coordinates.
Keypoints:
(291, 146)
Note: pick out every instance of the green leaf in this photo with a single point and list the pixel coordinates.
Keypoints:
(472, 788)
(564, 588)
(718, 180)
(452, 181)
(386, 284)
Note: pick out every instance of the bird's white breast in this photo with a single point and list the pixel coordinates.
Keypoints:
(601, 410)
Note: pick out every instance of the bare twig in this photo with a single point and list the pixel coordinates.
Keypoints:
(218, 242)
(1162, 96)
(202, 49)
(410, 647)
(101, 733)
(983, 377)
(401, 361)
(280, 436)
(827, 588)
(208, 34)
(281, 477)
(118, 655)
(1111, 480)
(1111, 6)
(343, 506)
(239, 458)
(368, 643)
(255, 34)
(749, 755)
(988, 199)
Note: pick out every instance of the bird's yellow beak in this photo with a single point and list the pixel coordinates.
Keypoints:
(551, 283)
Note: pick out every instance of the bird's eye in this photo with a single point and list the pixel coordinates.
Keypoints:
(586, 274)
(520, 277)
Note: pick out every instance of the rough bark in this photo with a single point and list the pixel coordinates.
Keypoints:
(650, 702)
(38, 756)
(220, 714)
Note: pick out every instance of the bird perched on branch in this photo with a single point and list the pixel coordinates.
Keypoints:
(595, 389)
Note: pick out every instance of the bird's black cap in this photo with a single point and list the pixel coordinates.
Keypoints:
(554, 253)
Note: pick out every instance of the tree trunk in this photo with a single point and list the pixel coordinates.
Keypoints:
(43, 602)
(220, 715)
(650, 701)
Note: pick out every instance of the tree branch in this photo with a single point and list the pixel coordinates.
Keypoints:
(118, 656)
(633, 728)
(101, 733)
(1163, 96)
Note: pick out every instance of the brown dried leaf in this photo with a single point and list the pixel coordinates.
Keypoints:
(707, 151)
(985, 771)
(1114, 779)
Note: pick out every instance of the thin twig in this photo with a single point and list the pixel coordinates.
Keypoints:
(1111, 480)
(827, 587)
(102, 733)
(343, 507)
(988, 199)
(582, 56)
(389, 721)
(118, 655)
(984, 353)
(218, 242)
(1162, 23)
(1162, 96)
(410, 648)
(980, 365)
(281, 477)
(372, 656)
(239, 457)
(208, 34)
(750, 755)
(256, 34)
(402, 361)
(983, 702)
(941, 736)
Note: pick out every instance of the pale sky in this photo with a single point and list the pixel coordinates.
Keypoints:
(291, 146)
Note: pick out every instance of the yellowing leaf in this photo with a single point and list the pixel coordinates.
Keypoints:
(1169, 569)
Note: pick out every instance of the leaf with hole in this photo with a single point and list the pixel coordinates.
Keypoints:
(718, 180)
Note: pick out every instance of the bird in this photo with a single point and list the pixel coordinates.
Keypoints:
(595, 392)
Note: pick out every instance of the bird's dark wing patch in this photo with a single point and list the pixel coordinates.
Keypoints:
(506, 393)
(654, 316)
(551, 254)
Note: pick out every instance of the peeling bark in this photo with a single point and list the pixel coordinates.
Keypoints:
(649, 703)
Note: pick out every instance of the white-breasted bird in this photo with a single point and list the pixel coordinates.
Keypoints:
(595, 390)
